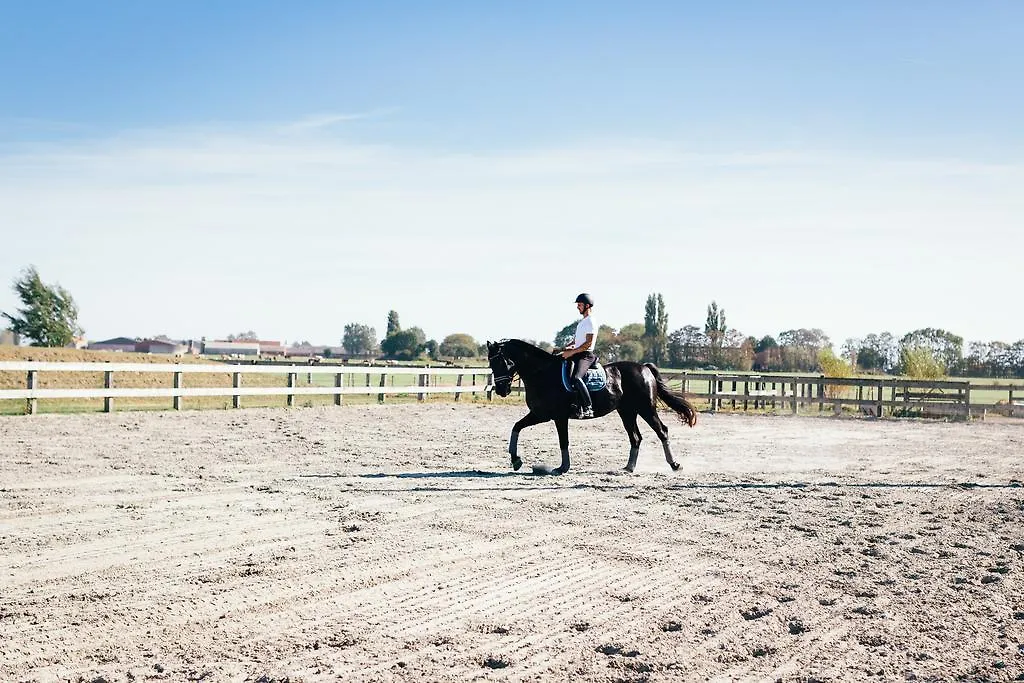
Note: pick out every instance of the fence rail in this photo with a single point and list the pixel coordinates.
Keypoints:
(872, 396)
(423, 386)
(786, 392)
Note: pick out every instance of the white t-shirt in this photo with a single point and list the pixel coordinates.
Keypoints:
(583, 328)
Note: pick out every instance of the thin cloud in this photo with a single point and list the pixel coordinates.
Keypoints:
(321, 121)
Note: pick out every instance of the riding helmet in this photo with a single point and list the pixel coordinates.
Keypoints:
(585, 299)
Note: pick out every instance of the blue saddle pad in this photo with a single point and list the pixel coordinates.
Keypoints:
(596, 379)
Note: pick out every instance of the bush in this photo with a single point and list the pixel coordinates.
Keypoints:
(919, 362)
(833, 366)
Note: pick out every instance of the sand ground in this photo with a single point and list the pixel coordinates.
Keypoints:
(393, 543)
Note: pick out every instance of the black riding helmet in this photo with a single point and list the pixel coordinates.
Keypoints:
(585, 299)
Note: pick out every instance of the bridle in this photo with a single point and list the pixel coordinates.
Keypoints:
(510, 368)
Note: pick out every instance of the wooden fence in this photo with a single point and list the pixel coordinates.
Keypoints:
(892, 396)
(871, 396)
(425, 382)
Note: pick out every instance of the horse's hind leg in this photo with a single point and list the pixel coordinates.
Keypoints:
(562, 427)
(662, 431)
(629, 422)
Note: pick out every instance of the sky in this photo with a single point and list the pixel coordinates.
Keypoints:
(201, 169)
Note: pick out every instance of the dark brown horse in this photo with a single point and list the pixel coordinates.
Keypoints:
(632, 389)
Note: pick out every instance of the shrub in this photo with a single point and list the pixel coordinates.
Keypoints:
(833, 366)
(919, 362)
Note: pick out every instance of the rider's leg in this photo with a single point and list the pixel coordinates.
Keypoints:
(583, 363)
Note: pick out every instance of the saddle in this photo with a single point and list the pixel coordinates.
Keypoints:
(596, 378)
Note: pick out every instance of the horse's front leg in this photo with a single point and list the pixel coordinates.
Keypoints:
(513, 440)
(562, 425)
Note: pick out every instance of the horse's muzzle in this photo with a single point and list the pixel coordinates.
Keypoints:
(503, 389)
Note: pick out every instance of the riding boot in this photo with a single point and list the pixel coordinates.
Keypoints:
(586, 409)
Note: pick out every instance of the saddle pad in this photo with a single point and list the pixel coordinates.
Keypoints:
(596, 379)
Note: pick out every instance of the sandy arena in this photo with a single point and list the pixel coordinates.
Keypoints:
(393, 543)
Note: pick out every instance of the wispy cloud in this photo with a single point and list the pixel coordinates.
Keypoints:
(320, 121)
(319, 213)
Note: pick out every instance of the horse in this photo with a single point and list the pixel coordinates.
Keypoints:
(632, 389)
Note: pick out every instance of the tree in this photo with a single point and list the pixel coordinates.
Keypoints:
(50, 316)
(878, 352)
(248, 336)
(359, 339)
(655, 328)
(393, 325)
(458, 345)
(689, 347)
(405, 344)
(767, 355)
(799, 348)
(566, 336)
(429, 347)
(945, 347)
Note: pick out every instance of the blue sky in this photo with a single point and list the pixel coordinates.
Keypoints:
(198, 168)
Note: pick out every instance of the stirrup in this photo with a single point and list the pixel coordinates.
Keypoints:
(583, 414)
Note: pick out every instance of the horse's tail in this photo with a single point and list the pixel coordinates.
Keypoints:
(677, 402)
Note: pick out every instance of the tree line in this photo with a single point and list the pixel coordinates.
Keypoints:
(49, 317)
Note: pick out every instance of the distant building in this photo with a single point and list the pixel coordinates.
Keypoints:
(272, 348)
(167, 346)
(306, 350)
(116, 344)
(9, 338)
(227, 348)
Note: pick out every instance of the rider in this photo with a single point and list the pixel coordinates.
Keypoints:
(582, 353)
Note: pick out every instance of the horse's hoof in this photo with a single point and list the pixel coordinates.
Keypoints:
(627, 468)
(516, 464)
(675, 466)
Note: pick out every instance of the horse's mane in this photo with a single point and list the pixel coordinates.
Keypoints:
(528, 350)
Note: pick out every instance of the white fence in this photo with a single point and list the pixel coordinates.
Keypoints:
(109, 392)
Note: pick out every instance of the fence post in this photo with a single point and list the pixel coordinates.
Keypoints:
(458, 383)
(794, 397)
(746, 394)
(881, 404)
(292, 379)
(339, 382)
(32, 407)
(685, 381)
(422, 381)
(236, 382)
(714, 393)
(176, 401)
(821, 394)
(108, 383)
(967, 402)
(1009, 402)
(380, 396)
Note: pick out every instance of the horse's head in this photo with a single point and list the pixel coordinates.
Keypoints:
(502, 367)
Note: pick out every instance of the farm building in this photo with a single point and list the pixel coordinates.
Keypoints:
(228, 348)
(272, 348)
(116, 344)
(167, 346)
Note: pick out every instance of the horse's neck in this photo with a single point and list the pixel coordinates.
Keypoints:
(529, 359)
